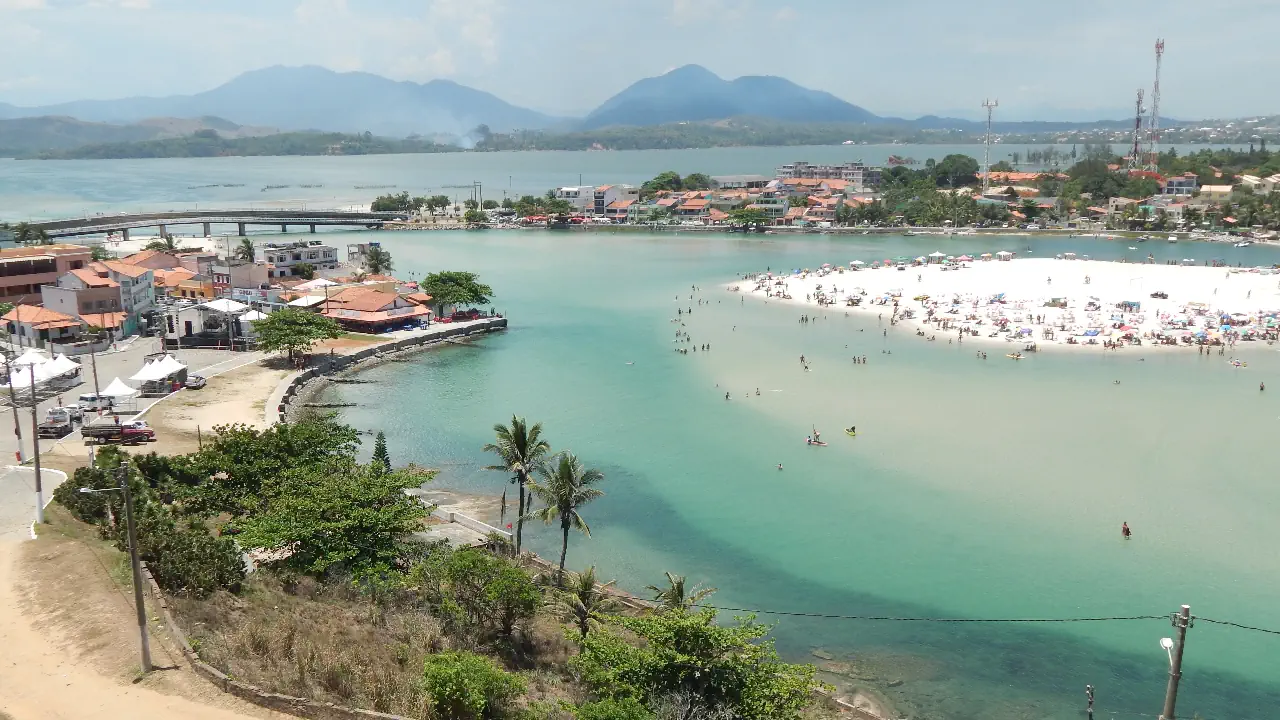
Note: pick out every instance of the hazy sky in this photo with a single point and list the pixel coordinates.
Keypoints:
(1064, 60)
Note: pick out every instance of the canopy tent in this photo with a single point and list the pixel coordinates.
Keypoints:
(21, 377)
(856, 262)
(158, 369)
(117, 389)
(61, 365)
(252, 316)
(30, 357)
(224, 305)
(1003, 253)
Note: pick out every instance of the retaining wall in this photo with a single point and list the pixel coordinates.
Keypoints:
(470, 523)
(337, 363)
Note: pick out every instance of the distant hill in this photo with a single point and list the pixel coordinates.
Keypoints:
(23, 136)
(693, 93)
(304, 98)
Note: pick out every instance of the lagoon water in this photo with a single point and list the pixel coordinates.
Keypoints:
(974, 489)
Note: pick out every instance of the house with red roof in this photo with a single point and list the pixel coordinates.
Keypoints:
(363, 309)
(36, 326)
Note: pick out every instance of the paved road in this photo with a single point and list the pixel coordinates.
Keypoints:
(17, 499)
(122, 364)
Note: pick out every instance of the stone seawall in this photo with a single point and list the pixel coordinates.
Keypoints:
(439, 332)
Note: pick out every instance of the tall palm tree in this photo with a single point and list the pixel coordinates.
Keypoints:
(675, 596)
(521, 450)
(565, 487)
(378, 260)
(584, 598)
(245, 250)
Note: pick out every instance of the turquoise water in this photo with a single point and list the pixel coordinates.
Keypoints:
(974, 489)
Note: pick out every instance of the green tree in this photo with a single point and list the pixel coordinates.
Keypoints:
(305, 270)
(729, 667)
(294, 331)
(487, 591)
(490, 205)
(466, 686)
(584, 599)
(381, 458)
(564, 488)
(337, 515)
(955, 170)
(25, 233)
(99, 253)
(697, 181)
(748, 218)
(455, 287)
(675, 596)
(475, 217)
(470, 204)
(669, 180)
(378, 260)
(165, 244)
(1002, 166)
(393, 202)
(521, 451)
(438, 202)
(611, 709)
(245, 250)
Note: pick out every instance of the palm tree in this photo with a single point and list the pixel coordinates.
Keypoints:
(584, 599)
(521, 450)
(165, 244)
(565, 487)
(245, 250)
(676, 597)
(378, 260)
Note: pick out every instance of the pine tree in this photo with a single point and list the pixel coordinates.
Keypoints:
(380, 454)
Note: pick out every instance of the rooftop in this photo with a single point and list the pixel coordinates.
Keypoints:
(39, 318)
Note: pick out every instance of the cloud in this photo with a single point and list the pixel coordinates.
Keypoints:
(21, 4)
(785, 14)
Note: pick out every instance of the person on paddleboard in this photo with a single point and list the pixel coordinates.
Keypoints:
(852, 429)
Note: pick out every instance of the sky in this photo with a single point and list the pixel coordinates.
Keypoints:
(1042, 60)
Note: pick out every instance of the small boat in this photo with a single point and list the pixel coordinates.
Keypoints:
(1132, 247)
(1142, 239)
(1173, 238)
(1014, 356)
(1244, 243)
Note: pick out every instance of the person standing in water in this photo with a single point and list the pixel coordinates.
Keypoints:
(1125, 532)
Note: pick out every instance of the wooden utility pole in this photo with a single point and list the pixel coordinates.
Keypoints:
(1181, 621)
(122, 477)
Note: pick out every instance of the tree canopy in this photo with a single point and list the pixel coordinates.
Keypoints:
(378, 260)
(293, 331)
(454, 287)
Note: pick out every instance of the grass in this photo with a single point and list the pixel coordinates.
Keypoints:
(328, 643)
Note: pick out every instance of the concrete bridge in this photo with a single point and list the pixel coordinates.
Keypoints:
(125, 222)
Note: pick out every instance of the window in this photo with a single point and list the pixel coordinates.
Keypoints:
(100, 304)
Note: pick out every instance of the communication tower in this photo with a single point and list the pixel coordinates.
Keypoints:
(990, 105)
(1135, 152)
(1154, 164)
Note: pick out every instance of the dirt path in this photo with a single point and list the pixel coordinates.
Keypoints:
(69, 642)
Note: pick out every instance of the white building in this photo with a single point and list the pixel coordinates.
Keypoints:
(286, 256)
(854, 173)
(583, 198)
(606, 195)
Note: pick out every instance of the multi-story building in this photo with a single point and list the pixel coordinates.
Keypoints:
(583, 198)
(23, 270)
(854, 173)
(137, 285)
(740, 182)
(606, 195)
(238, 274)
(772, 203)
(1181, 185)
(82, 292)
(287, 256)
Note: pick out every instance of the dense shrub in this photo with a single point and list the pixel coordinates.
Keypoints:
(463, 685)
(622, 709)
(490, 592)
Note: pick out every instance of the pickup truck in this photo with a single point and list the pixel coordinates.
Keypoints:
(58, 422)
(128, 432)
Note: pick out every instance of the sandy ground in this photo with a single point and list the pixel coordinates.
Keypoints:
(71, 647)
(238, 396)
(1091, 290)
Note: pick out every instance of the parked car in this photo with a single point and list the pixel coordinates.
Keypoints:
(93, 403)
(195, 382)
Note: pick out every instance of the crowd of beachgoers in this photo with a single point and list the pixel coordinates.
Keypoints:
(1032, 302)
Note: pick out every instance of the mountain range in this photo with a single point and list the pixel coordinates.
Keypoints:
(315, 98)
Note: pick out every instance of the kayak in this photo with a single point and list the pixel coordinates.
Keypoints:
(850, 434)
(1014, 357)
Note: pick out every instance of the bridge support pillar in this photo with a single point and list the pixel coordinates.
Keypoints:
(240, 229)
(124, 234)
(313, 228)
(208, 229)
(164, 231)
(284, 228)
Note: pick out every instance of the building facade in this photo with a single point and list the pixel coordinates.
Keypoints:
(855, 173)
(24, 270)
(583, 198)
(285, 257)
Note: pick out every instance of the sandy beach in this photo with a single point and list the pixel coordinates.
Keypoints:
(1069, 302)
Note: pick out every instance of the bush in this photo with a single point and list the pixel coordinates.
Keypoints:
(624, 709)
(85, 507)
(492, 592)
(463, 685)
(190, 561)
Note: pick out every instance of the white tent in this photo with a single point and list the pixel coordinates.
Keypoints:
(307, 301)
(117, 389)
(224, 305)
(147, 373)
(936, 254)
(252, 316)
(61, 365)
(20, 377)
(30, 357)
(170, 366)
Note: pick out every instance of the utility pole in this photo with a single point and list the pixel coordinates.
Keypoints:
(990, 105)
(13, 403)
(122, 477)
(1181, 621)
(35, 446)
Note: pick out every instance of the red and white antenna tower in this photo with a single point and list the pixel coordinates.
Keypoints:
(1155, 110)
(1135, 152)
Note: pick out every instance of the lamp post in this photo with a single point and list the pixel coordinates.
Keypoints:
(122, 480)
(1181, 621)
(31, 361)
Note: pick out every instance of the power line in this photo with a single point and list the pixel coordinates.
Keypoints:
(1237, 625)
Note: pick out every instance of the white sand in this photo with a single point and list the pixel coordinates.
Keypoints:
(965, 298)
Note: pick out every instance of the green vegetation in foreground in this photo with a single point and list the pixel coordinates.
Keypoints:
(348, 606)
(294, 331)
(207, 143)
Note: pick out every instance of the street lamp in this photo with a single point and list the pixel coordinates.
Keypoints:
(1167, 644)
(122, 480)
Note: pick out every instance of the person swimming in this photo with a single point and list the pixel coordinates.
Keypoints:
(808, 440)
(779, 466)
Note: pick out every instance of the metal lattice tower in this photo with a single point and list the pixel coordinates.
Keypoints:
(1155, 110)
(1135, 152)
(990, 105)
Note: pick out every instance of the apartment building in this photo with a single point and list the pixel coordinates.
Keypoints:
(854, 173)
(284, 257)
(23, 270)
(607, 195)
(582, 198)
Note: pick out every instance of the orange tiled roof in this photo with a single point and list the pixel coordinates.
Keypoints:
(375, 316)
(695, 204)
(39, 250)
(40, 318)
(120, 268)
(419, 297)
(171, 278)
(93, 279)
(108, 321)
(620, 204)
(362, 299)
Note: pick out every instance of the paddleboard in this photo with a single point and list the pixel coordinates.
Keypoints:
(850, 434)
(817, 443)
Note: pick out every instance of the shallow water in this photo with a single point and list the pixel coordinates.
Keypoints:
(973, 490)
